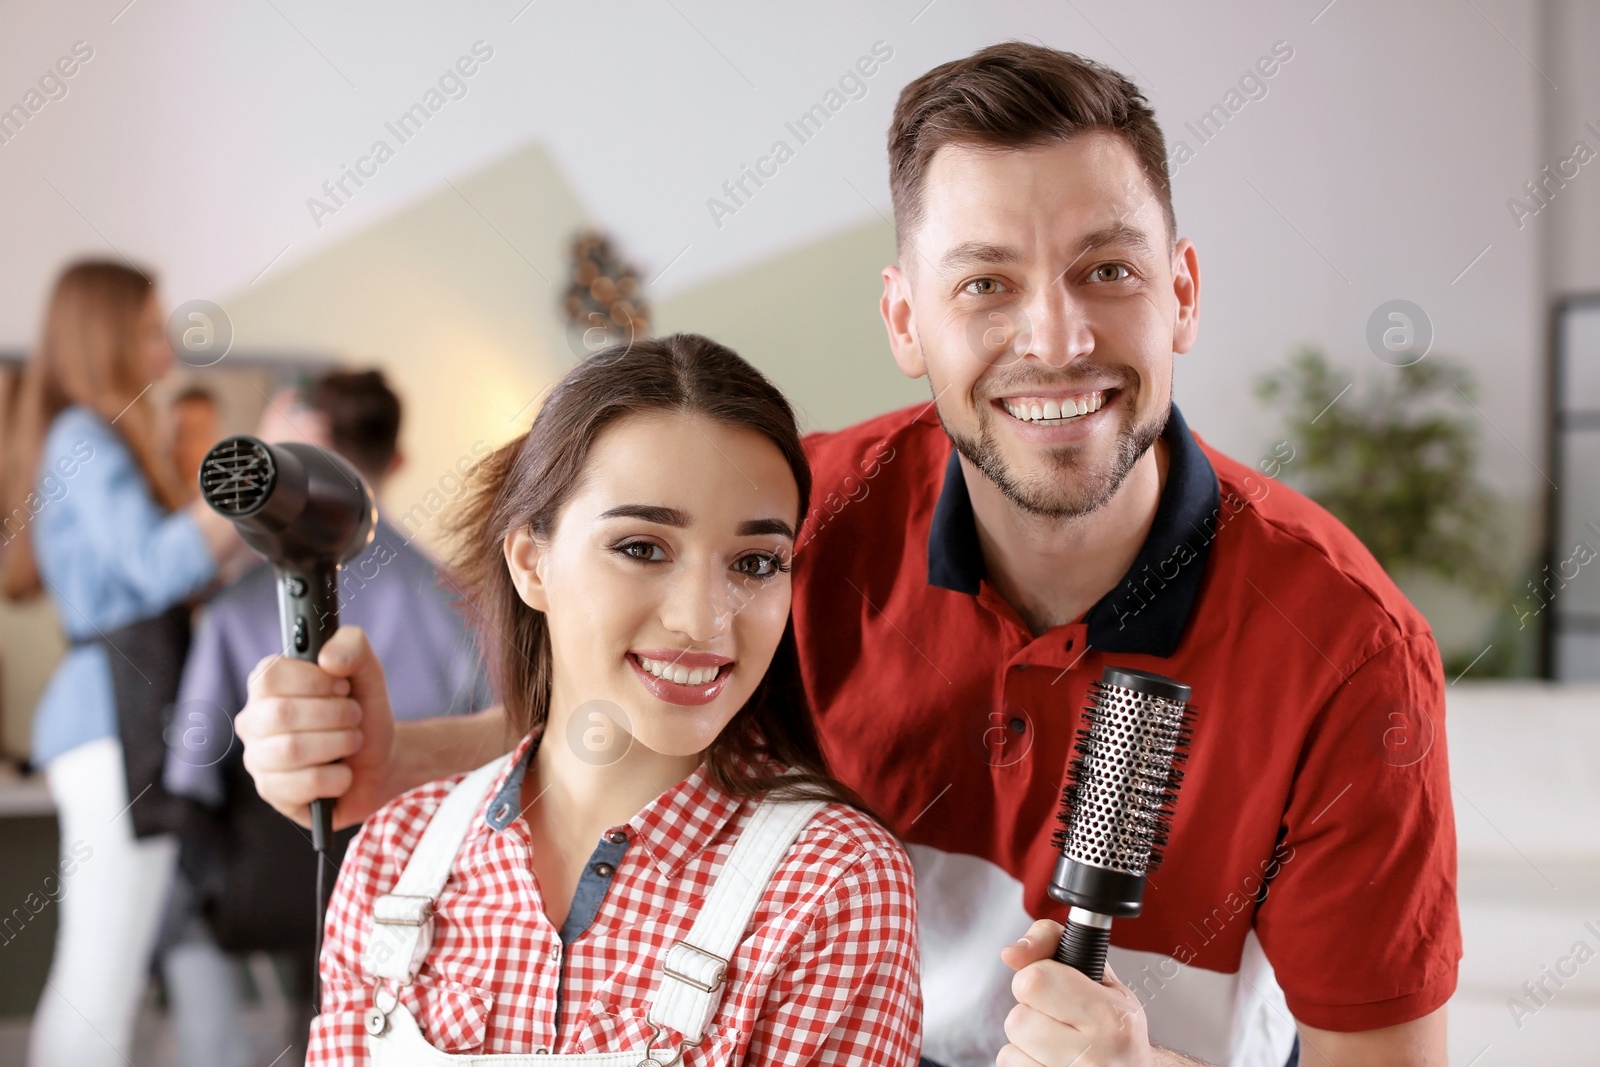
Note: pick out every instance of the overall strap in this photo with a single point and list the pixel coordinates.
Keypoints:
(402, 929)
(694, 969)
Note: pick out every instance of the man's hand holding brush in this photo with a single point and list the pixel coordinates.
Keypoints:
(1063, 1018)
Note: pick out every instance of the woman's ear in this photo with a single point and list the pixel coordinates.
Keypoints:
(523, 557)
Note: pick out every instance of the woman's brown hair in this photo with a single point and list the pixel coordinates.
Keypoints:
(87, 355)
(525, 483)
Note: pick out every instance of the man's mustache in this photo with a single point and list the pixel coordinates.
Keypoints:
(1088, 380)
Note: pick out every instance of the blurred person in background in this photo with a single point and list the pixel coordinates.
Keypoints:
(196, 426)
(95, 514)
(246, 882)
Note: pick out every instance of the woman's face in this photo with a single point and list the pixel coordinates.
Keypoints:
(665, 582)
(152, 350)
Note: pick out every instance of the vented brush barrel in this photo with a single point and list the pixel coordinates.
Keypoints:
(1117, 806)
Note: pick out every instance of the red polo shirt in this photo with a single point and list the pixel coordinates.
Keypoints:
(1315, 814)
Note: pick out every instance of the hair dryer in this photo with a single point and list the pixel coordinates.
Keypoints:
(307, 511)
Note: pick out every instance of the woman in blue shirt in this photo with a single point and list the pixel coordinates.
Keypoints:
(95, 515)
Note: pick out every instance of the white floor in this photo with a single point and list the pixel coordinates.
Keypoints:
(154, 1045)
(1523, 758)
(1517, 928)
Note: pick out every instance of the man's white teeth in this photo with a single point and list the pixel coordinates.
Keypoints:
(1051, 410)
(677, 672)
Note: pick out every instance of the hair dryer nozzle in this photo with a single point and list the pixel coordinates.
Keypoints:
(237, 476)
(296, 504)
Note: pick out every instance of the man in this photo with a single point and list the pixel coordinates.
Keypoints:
(973, 563)
(196, 426)
(245, 873)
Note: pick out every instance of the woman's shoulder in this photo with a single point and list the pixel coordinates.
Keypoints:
(844, 845)
(75, 428)
(390, 835)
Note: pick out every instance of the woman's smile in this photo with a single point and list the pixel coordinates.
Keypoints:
(681, 677)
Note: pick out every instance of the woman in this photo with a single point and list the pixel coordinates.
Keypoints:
(600, 895)
(93, 515)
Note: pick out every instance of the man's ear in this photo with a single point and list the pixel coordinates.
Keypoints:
(895, 307)
(523, 559)
(1186, 287)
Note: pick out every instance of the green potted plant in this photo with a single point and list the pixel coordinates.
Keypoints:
(1397, 464)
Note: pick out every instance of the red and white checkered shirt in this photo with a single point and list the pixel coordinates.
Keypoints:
(827, 971)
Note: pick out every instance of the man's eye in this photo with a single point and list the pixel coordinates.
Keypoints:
(760, 565)
(983, 287)
(1100, 272)
(647, 551)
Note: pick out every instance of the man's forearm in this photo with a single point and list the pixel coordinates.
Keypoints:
(437, 748)
(1165, 1057)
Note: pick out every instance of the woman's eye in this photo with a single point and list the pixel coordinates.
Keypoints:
(647, 551)
(983, 287)
(1099, 272)
(762, 565)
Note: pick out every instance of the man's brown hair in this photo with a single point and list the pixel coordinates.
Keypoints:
(363, 418)
(1016, 95)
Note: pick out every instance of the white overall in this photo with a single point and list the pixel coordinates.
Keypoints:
(692, 973)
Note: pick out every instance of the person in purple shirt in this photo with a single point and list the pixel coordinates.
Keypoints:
(393, 592)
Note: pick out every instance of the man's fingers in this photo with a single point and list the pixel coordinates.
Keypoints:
(1039, 1038)
(285, 676)
(300, 750)
(292, 792)
(1059, 991)
(1012, 1056)
(266, 717)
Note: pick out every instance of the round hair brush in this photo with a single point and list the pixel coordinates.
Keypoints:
(1117, 806)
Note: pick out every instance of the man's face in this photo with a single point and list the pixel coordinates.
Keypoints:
(1043, 300)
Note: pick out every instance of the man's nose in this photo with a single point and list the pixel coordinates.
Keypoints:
(1054, 327)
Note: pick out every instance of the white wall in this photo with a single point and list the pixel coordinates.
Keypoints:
(197, 132)
(1377, 166)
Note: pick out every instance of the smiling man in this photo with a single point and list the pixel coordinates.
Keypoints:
(1047, 514)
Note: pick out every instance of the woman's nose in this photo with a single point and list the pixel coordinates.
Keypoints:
(700, 603)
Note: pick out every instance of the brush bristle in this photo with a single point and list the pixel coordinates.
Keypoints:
(1112, 814)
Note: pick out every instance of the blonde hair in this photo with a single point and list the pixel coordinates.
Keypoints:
(88, 355)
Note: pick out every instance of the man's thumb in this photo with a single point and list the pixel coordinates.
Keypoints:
(348, 654)
(1039, 943)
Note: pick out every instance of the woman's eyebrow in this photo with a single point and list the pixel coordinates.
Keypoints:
(655, 513)
(756, 527)
(665, 516)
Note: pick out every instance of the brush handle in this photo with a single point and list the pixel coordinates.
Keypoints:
(1083, 948)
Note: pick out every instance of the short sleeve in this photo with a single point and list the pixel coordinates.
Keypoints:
(850, 992)
(1360, 920)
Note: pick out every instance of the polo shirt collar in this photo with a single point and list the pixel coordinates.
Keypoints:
(673, 828)
(1125, 619)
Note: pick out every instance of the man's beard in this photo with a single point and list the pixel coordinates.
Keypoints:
(1072, 487)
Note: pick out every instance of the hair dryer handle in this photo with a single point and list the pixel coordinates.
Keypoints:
(308, 612)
